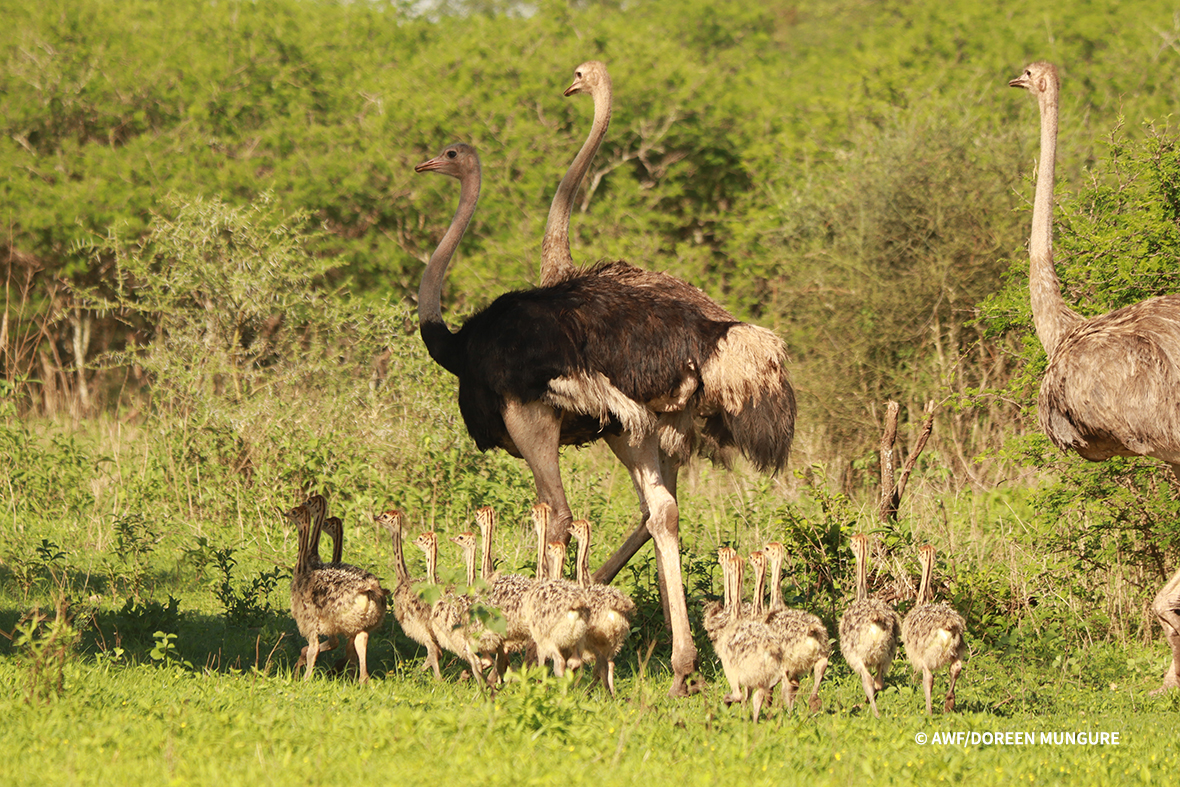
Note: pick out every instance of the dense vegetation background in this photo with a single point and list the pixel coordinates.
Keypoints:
(212, 239)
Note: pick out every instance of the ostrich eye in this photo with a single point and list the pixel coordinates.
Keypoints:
(578, 74)
(451, 154)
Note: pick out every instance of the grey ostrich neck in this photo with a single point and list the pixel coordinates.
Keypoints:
(1051, 316)
(557, 263)
(435, 333)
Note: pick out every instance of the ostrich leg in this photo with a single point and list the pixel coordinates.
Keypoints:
(535, 428)
(645, 464)
(606, 573)
(1167, 608)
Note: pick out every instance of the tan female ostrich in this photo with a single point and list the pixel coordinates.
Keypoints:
(933, 635)
(869, 629)
(595, 358)
(333, 599)
(1112, 385)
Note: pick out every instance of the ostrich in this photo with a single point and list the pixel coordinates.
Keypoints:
(751, 654)
(556, 610)
(869, 629)
(595, 358)
(505, 592)
(1112, 384)
(411, 612)
(332, 599)
(763, 350)
(611, 611)
(933, 635)
(804, 636)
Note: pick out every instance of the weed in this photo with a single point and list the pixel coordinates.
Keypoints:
(47, 645)
(250, 606)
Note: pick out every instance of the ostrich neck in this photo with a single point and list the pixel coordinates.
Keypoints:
(776, 578)
(1051, 316)
(583, 565)
(542, 526)
(469, 564)
(338, 545)
(486, 545)
(862, 578)
(759, 590)
(924, 588)
(431, 552)
(399, 559)
(439, 340)
(557, 263)
(303, 561)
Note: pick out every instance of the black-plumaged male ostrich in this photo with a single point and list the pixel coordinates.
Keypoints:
(593, 357)
(1112, 386)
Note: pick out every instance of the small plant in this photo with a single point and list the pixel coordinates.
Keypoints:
(251, 605)
(47, 646)
(165, 651)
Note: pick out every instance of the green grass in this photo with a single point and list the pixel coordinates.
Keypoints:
(120, 723)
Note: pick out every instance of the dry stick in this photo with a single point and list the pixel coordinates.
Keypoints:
(891, 493)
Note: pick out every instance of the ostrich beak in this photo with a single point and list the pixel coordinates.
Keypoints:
(430, 166)
(1020, 81)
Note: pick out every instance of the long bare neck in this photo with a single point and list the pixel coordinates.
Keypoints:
(469, 563)
(759, 588)
(430, 549)
(439, 340)
(557, 263)
(862, 574)
(583, 562)
(399, 558)
(338, 542)
(737, 587)
(776, 579)
(555, 558)
(487, 526)
(927, 561)
(306, 557)
(1051, 316)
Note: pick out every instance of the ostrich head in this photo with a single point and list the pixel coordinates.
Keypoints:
(587, 77)
(391, 520)
(456, 160)
(1037, 78)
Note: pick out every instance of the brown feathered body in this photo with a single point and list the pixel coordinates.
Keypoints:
(1113, 383)
(869, 630)
(330, 600)
(933, 634)
(611, 611)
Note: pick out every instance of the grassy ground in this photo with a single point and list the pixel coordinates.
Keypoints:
(152, 724)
